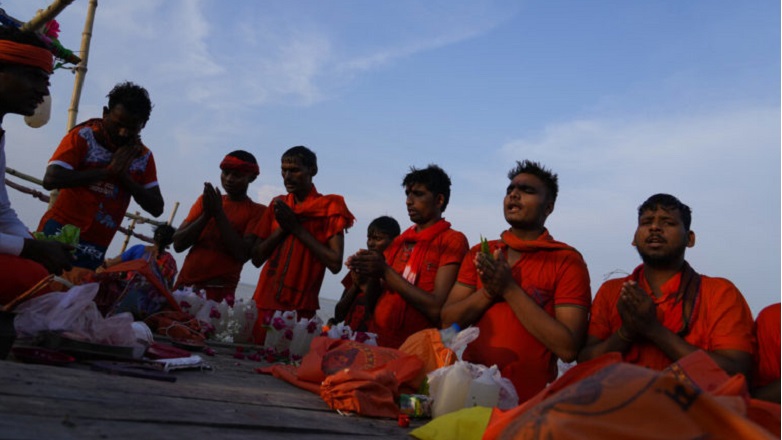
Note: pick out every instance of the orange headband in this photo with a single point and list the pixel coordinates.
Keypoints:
(18, 53)
(234, 163)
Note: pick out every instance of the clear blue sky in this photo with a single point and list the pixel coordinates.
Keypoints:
(621, 99)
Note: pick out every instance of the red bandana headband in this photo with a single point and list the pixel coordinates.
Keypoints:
(236, 164)
(18, 53)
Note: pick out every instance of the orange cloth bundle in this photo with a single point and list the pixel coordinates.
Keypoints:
(369, 393)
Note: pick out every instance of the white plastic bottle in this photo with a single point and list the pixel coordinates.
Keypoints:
(484, 391)
(453, 391)
(447, 334)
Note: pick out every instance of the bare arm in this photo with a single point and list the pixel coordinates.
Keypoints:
(53, 255)
(465, 305)
(428, 303)
(343, 306)
(150, 199)
(263, 247)
(562, 333)
(59, 177)
(330, 253)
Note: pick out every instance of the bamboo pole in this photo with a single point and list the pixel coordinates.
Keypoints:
(130, 231)
(81, 69)
(48, 14)
(78, 82)
(173, 213)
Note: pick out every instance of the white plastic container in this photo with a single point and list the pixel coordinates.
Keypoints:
(452, 393)
(484, 391)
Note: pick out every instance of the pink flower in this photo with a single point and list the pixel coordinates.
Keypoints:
(52, 29)
(214, 313)
(209, 351)
(185, 305)
(288, 334)
(361, 337)
(312, 326)
(278, 323)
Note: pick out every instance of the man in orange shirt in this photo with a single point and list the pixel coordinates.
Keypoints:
(215, 230)
(765, 380)
(25, 66)
(98, 166)
(664, 310)
(298, 237)
(411, 281)
(529, 295)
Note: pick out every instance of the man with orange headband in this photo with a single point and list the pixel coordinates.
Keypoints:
(99, 165)
(300, 236)
(416, 272)
(665, 310)
(215, 228)
(527, 293)
(25, 66)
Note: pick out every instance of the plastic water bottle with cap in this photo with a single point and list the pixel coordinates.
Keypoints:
(447, 334)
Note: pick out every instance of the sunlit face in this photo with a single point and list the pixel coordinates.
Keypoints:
(122, 127)
(423, 207)
(661, 237)
(235, 182)
(22, 88)
(378, 240)
(296, 177)
(526, 205)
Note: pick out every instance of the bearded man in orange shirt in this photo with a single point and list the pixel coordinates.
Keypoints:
(665, 310)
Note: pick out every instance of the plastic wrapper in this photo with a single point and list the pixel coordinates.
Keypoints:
(74, 312)
(417, 406)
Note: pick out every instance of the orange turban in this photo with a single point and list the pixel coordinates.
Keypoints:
(19, 53)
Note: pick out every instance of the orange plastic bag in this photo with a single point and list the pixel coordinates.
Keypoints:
(428, 346)
(329, 356)
(368, 393)
(608, 399)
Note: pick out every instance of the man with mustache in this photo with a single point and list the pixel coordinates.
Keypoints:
(98, 166)
(665, 310)
(410, 282)
(298, 237)
(527, 293)
(25, 66)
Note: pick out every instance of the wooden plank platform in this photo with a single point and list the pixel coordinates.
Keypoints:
(231, 401)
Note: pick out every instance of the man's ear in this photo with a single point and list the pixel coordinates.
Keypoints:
(105, 111)
(440, 201)
(313, 170)
(690, 238)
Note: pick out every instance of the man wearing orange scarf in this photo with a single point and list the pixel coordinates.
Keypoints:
(215, 230)
(298, 237)
(413, 277)
(664, 310)
(528, 294)
(25, 66)
(98, 166)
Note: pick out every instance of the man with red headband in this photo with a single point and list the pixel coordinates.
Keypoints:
(99, 165)
(410, 282)
(300, 236)
(25, 66)
(215, 228)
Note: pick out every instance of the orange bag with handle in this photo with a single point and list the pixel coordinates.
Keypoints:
(369, 393)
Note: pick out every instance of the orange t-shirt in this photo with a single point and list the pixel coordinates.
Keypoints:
(394, 320)
(552, 278)
(209, 259)
(722, 319)
(767, 361)
(97, 209)
(292, 276)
